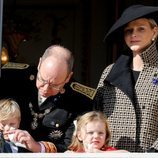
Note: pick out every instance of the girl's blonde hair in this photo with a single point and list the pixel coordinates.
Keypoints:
(9, 109)
(82, 121)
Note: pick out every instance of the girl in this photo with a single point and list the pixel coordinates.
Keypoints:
(91, 134)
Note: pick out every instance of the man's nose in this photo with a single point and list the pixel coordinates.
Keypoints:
(45, 86)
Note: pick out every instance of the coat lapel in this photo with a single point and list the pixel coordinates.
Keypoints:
(121, 76)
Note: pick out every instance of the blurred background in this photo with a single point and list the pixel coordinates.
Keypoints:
(30, 26)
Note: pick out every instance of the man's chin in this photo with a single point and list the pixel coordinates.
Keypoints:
(45, 95)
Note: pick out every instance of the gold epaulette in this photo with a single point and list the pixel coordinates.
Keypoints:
(12, 65)
(85, 90)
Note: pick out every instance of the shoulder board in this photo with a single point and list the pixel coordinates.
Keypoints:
(85, 90)
(12, 65)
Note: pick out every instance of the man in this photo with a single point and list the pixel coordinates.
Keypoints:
(48, 113)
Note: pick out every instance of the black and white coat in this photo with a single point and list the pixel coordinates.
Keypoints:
(132, 109)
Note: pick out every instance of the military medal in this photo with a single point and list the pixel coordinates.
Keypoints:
(55, 134)
(34, 124)
(37, 116)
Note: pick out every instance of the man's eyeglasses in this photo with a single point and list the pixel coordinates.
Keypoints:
(43, 82)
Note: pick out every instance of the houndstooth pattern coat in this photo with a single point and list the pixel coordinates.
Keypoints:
(132, 109)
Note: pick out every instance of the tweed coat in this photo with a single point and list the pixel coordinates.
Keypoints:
(132, 109)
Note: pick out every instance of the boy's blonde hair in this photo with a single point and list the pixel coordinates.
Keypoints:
(82, 121)
(9, 109)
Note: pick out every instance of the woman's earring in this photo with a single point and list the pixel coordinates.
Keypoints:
(153, 39)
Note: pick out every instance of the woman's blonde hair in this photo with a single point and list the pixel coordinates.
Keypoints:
(152, 23)
(82, 121)
(9, 109)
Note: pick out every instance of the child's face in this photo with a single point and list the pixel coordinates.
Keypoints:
(93, 135)
(9, 124)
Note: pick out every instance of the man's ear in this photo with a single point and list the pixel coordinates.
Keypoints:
(39, 63)
(69, 77)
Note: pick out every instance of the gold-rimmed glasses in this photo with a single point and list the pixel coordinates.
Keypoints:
(43, 82)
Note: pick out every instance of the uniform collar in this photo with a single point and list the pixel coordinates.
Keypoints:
(50, 102)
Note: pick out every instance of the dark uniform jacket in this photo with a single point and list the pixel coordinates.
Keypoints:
(53, 119)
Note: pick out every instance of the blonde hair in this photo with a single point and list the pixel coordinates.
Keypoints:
(9, 109)
(152, 23)
(82, 121)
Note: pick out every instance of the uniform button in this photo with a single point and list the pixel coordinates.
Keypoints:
(32, 77)
(55, 99)
(57, 125)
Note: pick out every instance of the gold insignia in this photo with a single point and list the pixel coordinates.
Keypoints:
(12, 65)
(85, 90)
(56, 134)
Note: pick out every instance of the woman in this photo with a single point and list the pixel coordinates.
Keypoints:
(128, 90)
